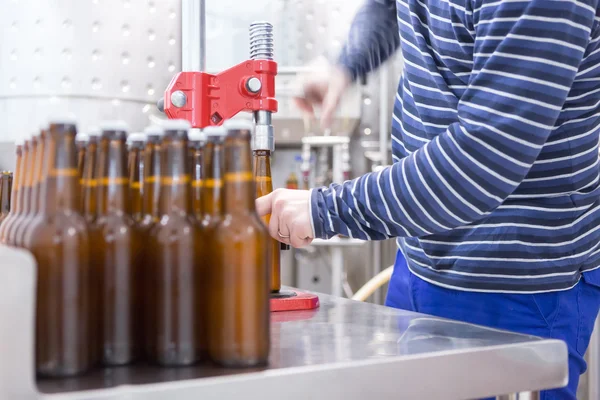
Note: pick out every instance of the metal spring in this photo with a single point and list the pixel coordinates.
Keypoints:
(261, 41)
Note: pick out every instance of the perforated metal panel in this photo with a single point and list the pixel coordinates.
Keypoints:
(95, 58)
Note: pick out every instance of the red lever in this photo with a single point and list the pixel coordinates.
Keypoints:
(211, 99)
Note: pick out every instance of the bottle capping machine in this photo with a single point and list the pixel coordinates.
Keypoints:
(205, 99)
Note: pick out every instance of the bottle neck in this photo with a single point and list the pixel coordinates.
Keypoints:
(151, 178)
(88, 181)
(112, 181)
(16, 189)
(239, 186)
(135, 181)
(175, 193)
(38, 174)
(6, 194)
(212, 182)
(62, 188)
(24, 176)
(262, 172)
(133, 166)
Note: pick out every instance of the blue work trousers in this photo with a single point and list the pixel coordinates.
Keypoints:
(566, 315)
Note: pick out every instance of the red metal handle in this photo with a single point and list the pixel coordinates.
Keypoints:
(212, 99)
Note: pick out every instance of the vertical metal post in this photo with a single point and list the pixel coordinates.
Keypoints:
(337, 270)
(193, 35)
(193, 38)
(376, 268)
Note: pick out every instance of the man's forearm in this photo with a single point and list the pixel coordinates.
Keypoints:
(372, 39)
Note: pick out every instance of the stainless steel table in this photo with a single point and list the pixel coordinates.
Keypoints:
(345, 349)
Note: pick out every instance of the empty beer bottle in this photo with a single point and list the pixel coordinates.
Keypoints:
(59, 241)
(264, 186)
(152, 152)
(17, 180)
(81, 141)
(31, 202)
(195, 145)
(117, 250)
(239, 284)
(174, 321)
(88, 179)
(24, 189)
(135, 169)
(5, 194)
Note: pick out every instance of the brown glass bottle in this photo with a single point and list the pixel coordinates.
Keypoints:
(239, 283)
(174, 302)
(59, 241)
(81, 141)
(17, 179)
(88, 180)
(135, 168)
(24, 192)
(195, 146)
(5, 194)
(264, 186)
(31, 202)
(152, 154)
(117, 251)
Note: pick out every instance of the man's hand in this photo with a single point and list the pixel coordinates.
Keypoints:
(290, 216)
(323, 88)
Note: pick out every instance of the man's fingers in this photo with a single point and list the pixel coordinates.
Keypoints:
(304, 105)
(298, 237)
(330, 104)
(263, 205)
(276, 226)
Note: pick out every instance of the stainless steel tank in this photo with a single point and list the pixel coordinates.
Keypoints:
(97, 59)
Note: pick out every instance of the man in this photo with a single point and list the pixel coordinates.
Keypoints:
(494, 194)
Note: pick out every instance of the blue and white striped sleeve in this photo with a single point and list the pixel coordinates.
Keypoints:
(504, 119)
(372, 39)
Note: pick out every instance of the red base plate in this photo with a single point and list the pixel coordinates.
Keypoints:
(302, 301)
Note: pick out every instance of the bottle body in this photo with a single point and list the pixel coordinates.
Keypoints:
(117, 248)
(264, 186)
(175, 322)
(239, 284)
(59, 242)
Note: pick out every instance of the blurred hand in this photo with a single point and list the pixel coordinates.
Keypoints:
(290, 216)
(324, 88)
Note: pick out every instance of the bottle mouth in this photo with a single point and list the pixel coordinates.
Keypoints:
(176, 134)
(61, 128)
(114, 135)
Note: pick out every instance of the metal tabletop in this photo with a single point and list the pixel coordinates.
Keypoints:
(344, 349)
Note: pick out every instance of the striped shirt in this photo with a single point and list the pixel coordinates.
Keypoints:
(495, 181)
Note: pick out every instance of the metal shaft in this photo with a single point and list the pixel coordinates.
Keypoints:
(193, 35)
(261, 48)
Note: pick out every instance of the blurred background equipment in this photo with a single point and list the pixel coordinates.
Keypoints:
(112, 59)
